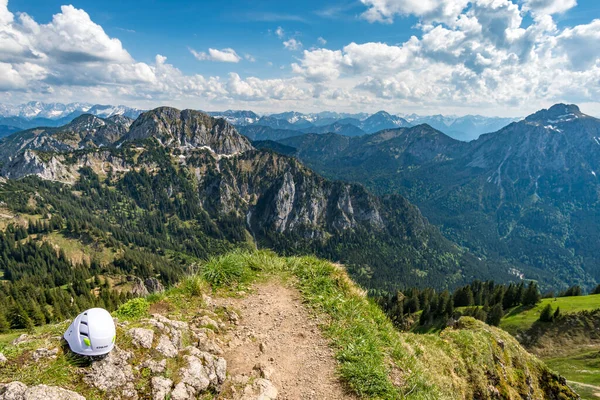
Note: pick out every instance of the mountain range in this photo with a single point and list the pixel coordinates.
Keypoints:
(37, 114)
(527, 194)
(257, 127)
(258, 195)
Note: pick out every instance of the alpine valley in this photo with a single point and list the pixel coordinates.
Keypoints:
(525, 196)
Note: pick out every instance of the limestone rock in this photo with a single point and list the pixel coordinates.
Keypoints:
(21, 339)
(139, 289)
(44, 353)
(20, 391)
(182, 392)
(113, 374)
(161, 388)
(142, 337)
(154, 286)
(195, 375)
(166, 347)
(156, 367)
(261, 389)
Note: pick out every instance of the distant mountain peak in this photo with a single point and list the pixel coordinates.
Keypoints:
(556, 114)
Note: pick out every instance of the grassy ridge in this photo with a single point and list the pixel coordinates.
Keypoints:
(375, 361)
(521, 318)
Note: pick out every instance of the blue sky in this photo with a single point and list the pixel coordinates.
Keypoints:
(400, 55)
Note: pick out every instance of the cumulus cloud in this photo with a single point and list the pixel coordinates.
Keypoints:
(292, 44)
(321, 41)
(494, 54)
(439, 10)
(225, 55)
(549, 6)
(477, 52)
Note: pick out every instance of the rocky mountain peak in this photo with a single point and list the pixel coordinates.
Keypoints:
(556, 114)
(87, 122)
(188, 128)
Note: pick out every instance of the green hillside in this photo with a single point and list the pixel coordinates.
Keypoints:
(522, 318)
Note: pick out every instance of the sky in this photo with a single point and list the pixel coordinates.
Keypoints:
(489, 57)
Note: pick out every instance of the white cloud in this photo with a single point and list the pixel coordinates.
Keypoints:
(292, 44)
(280, 32)
(438, 10)
(321, 41)
(549, 6)
(495, 55)
(225, 55)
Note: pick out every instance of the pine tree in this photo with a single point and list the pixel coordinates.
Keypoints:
(532, 295)
(547, 314)
(495, 315)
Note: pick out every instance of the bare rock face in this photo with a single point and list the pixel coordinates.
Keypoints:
(139, 289)
(153, 285)
(20, 391)
(141, 337)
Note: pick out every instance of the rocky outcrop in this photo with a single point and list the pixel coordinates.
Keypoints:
(153, 285)
(57, 167)
(138, 288)
(188, 129)
(20, 391)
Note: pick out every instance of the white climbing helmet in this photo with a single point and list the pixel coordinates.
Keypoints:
(92, 333)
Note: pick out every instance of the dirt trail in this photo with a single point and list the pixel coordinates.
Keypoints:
(277, 332)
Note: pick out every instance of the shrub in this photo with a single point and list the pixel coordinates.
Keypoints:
(133, 309)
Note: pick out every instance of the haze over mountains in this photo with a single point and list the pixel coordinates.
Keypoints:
(257, 127)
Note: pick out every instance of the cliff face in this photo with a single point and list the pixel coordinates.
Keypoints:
(279, 194)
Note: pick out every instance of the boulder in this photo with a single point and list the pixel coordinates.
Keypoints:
(141, 337)
(3, 359)
(195, 375)
(20, 391)
(161, 388)
(261, 389)
(21, 339)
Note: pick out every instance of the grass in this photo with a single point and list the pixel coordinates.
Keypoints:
(580, 370)
(521, 318)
